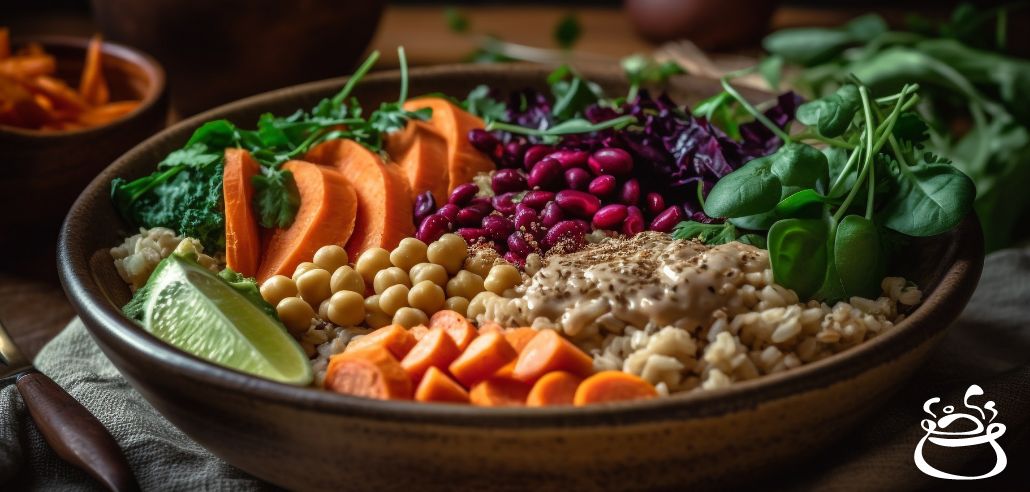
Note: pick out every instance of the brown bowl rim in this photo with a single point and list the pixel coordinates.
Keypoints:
(932, 316)
(155, 73)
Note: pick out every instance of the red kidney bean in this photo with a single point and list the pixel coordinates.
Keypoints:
(449, 210)
(665, 221)
(518, 244)
(425, 204)
(630, 192)
(654, 202)
(515, 259)
(503, 203)
(472, 235)
(578, 203)
(481, 202)
(507, 180)
(537, 198)
(545, 174)
(566, 230)
(634, 223)
(499, 227)
(432, 227)
(578, 179)
(602, 186)
(513, 152)
(610, 217)
(534, 154)
(470, 216)
(484, 142)
(614, 161)
(462, 194)
(551, 215)
(525, 218)
(570, 158)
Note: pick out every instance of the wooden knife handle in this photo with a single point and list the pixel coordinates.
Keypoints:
(74, 433)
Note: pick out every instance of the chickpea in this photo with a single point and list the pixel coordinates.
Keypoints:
(501, 278)
(323, 309)
(372, 304)
(313, 286)
(465, 284)
(428, 271)
(449, 252)
(295, 314)
(377, 320)
(410, 317)
(302, 269)
(345, 278)
(477, 306)
(457, 304)
(393, 298)
(346, 308)
(370, 262)
(408, 253)
(426, 296)
(390, 277)
(478, 265)
(330, 257)
(277, 288)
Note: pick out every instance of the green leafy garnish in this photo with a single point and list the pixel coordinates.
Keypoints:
(479, 103)
(568, 31)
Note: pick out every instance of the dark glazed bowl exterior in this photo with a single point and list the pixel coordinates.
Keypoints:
(43, 172)
(220, 51)
(302, 438)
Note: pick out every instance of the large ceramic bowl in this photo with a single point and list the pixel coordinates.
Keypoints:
(303, 438)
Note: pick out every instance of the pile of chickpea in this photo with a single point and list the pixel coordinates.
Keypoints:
(408, 285)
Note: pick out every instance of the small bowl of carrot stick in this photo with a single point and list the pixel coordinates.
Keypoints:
(69, 106)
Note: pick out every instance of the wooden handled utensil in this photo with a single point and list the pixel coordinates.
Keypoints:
(74, 433)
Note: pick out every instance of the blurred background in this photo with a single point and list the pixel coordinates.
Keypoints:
(217, 51)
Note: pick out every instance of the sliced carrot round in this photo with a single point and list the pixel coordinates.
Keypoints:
(548, 351)
(460, 329)
(554, 388)
(610, 386)
(438, 387)
(435, 349)
(520, 337)
(370, 373)
(499, 392)
(483, 357)
(394, 338)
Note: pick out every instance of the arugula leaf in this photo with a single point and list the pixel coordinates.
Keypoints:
(276, 198)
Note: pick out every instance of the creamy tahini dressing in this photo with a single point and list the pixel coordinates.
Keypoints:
(651, 278)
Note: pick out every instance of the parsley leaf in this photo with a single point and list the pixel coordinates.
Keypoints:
(276, 197)
(480, 103)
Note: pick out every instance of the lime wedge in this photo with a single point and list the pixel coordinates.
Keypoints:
(195, 310)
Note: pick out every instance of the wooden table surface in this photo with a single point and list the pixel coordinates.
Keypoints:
(32, 304)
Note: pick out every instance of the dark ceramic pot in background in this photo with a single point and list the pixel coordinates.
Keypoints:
(306, 439)
(41, 173)
(219, 51)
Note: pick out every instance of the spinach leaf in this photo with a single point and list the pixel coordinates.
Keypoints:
(799, 164)
(795, 203)
(833, 114)
(857, 256)
(798, 254)
(750, 190)
(930, 198)
(809, 46)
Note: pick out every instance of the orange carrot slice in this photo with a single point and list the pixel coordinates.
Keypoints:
(459, 327)
(28, 66)
(483, 357)
(548, 351)
(499, 392)
(92, 86)
(242, 242)
(438, 387)
(384, 210)
(422, 155)
(326, 216)
(418, 332)
(5, 43)
(107, 113)
(394, 338)
(554, 388)
(609, 386)
(436, 349)
(463, 160)
(371, 373)
(488, 327)
(520, 337)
